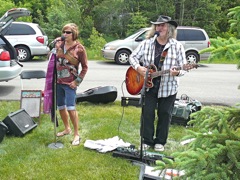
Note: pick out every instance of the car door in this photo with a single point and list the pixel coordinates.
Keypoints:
(11, 15)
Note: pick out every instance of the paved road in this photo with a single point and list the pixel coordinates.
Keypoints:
(210, 83)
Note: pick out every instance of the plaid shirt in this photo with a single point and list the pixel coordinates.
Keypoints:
(144, 54)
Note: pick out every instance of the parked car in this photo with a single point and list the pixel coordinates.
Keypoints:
(193, 39)
(28, 38)
(10, 68)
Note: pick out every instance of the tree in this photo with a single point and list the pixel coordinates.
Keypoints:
(235, 21)
(202, 13)
(37, 7)
(137, 21)
(5, 6)
(227, 48)
(214, 152)
(96, 42)
(111, 18)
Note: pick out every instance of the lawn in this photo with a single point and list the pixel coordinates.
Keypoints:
(30, 157)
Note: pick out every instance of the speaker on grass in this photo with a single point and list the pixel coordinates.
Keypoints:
(19, 123)
(3, 131)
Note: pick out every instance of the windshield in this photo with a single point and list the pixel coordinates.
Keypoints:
(137, 33)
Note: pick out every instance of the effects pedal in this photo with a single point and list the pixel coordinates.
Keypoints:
(134, 155)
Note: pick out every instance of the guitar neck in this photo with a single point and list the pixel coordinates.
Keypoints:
(160, 73)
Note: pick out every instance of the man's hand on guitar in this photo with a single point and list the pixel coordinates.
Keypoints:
(142, 70)
(174, 71)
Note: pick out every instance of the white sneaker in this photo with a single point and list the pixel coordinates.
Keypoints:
(159, 147)
(144, 147)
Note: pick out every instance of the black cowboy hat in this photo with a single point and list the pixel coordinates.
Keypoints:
(165, 19)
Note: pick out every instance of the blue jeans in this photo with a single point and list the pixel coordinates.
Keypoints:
(66, 97)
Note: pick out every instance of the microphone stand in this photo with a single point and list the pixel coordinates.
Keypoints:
(142, 102)
(55, 144)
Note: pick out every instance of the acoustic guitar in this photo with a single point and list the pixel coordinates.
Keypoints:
(134, 81)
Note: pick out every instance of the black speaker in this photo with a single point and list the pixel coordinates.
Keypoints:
(19, 123)
(3, 131)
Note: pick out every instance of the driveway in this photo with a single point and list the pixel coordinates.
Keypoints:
(211, 84)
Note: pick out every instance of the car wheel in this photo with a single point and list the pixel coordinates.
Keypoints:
(192, 57)
(122, 57)
(23, 53)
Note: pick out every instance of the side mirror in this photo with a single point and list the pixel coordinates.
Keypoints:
(139, 39)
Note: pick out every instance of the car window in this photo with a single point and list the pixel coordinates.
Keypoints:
(19, 29)
(180, 35)
(143, 35)
(134, 34)
(190, 35)
(42, 31)
(2, 42)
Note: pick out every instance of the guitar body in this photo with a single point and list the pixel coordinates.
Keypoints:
(134, 81)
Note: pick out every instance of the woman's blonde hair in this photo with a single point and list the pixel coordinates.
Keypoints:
(74, 29)
(172, 31)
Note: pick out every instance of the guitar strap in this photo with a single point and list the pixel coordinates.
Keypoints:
(162, 58)
(159, 55)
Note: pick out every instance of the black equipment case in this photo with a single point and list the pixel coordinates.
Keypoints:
(101, 94)
(183, 107)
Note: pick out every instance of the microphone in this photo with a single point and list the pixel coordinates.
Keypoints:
(54, 41)
(156, 34)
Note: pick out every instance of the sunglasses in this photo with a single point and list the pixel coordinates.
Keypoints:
(67, 32)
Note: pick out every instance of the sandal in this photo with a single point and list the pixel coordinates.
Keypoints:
(76, 142)
(63, 133)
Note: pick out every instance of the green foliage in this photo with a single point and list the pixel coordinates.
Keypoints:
(5, 6)
(202, 15)
(111, 17)
(227, 48)
(235, 21)
(56, 20)
(214, 154)
(96, 42)
(137, 21)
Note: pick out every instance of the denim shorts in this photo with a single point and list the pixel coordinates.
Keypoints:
(66, 97)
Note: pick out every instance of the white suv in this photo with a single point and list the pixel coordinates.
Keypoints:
(193, 39)
(28, 38)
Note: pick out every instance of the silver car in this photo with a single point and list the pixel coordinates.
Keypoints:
(10, 68)
(193, 39)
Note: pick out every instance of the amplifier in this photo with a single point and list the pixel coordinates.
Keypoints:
(130, 101)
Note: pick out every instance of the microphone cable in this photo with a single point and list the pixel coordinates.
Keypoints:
(122, 109)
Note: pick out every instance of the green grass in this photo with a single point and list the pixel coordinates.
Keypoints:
(29, 157)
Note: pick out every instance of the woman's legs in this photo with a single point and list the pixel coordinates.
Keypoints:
(64, 116)
(74, 118)
(66, 105)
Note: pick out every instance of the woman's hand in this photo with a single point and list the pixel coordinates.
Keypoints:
(58, 42)
(73, 84)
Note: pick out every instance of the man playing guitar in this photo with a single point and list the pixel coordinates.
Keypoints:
(162, 52)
